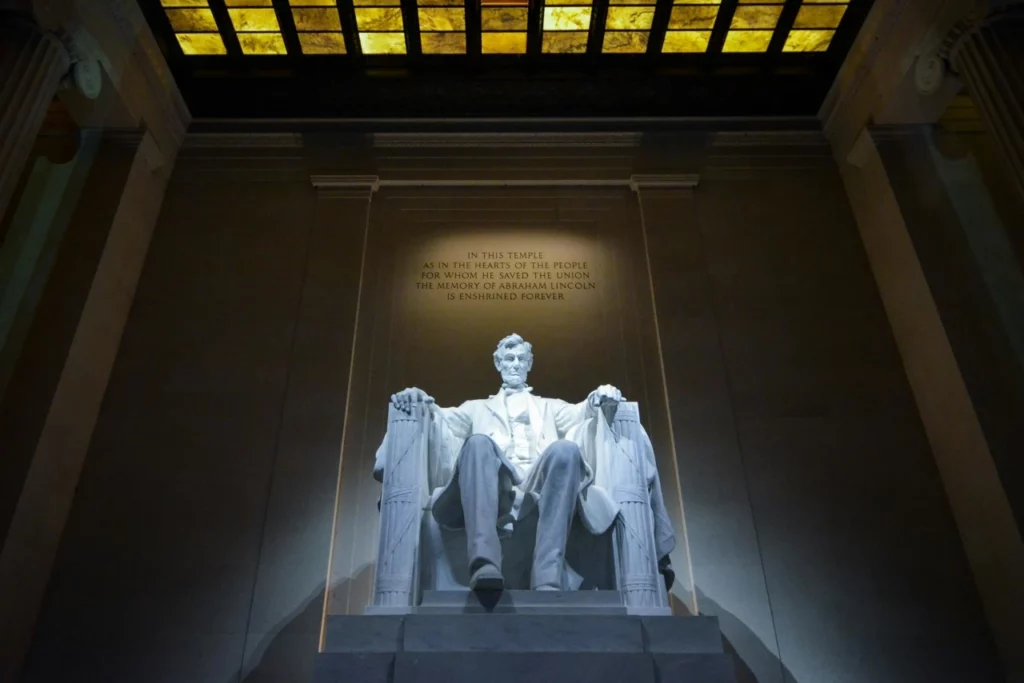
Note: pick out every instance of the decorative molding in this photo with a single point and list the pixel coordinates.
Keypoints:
(628, 140)
(980, 14)
(332, 185)
(513, 182)
(663, 181)
(243, 140)
(929, 73)
(87, 62)
(768, 138)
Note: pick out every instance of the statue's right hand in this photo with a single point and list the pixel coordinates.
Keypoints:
(404, 400)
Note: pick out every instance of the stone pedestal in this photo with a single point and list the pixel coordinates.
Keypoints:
(512, 647)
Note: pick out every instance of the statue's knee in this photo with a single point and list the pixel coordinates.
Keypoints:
(479, 446)
(565, 453)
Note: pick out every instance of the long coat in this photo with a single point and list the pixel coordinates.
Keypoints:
(450, 427)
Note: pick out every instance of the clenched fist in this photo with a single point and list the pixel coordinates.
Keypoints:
(404, 400)
(605, 393)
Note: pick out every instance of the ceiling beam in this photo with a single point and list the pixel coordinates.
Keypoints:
(782, 28)
(725, 12)
(534, 19)
(286, 21)
(598, 19)
(473, 38)
(662, 13)
(411, 26)
(347, 14)
(226, 28)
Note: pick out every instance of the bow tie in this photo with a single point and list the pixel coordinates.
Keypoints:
(507, 390)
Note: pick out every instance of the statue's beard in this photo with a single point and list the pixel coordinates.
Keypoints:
(514, 380)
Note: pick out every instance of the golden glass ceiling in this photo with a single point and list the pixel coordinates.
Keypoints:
(815, 25)
(379, 27)
(318, 26)
(503, 25)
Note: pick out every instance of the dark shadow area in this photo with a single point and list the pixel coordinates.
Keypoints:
(744, 674)
(287, 654)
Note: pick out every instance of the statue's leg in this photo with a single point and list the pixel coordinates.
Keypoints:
(561, 469)
(479, 469)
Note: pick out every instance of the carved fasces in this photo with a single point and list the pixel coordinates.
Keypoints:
(403, 497)
(638, 577)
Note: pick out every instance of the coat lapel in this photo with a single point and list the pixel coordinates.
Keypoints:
(539, 422)
(496, 404)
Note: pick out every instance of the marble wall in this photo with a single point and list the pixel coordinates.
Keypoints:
(197, 546)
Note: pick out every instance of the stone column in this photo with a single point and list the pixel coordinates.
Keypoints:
(988, 54)
(32, 63)
(39, 49)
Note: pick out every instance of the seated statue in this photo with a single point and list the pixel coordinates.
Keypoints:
(494, 461)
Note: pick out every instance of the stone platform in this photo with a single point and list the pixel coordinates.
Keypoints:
(453, 638)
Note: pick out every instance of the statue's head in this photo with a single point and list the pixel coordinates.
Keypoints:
(513, 358)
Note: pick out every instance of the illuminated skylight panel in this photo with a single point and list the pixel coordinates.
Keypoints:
(503, 26)
(689, 25)
(380, 26)
(753, 24)
(815, 25)
(442, 26)
(256, 26)
(318, 26)
(628, 26)
(194, 27)
(566, 26)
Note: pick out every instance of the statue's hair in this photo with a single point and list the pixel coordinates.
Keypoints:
(511, 341)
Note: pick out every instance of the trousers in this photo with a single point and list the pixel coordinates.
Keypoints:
(483, 485)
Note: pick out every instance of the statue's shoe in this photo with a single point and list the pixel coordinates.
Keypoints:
(487, 577)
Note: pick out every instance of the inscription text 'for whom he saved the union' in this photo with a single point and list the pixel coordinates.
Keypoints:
(506, 276)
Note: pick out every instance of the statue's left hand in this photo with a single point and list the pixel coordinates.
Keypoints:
(605, 393)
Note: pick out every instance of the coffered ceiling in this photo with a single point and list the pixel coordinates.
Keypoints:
(517, 58)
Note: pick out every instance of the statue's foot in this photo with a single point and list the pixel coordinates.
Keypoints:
(487, 577)
(547, 587)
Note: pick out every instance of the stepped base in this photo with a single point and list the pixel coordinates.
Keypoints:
(517, 647)
(520, 602)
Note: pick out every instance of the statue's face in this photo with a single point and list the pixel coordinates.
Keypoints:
(514, 365)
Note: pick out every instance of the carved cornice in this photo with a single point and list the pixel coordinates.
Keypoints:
(663, 181)
(345, 186)
(244, 141)
(519, 139)
(788, 138)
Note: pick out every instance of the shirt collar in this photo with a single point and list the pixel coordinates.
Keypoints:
(507, 391)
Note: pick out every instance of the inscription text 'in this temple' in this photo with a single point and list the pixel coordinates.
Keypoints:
(506, 276)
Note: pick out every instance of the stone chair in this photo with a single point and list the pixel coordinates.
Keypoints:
(417, 555)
